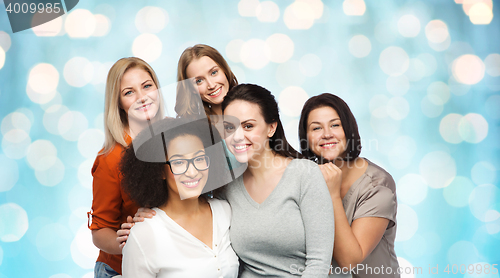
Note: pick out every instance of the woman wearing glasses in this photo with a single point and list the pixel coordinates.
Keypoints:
(189, 234)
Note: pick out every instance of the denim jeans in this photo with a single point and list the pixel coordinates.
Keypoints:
(102, 270)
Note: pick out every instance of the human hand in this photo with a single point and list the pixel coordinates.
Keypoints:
(122, 234)
(333, 177)
(143, 213)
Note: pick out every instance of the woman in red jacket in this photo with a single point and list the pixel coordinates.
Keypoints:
(133, 101)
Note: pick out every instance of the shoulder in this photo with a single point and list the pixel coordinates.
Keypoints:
(379, 176)
(303, 167)
(220, 206)
(110, 159)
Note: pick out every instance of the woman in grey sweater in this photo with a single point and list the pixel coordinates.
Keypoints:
(363, 194)
(282, 224)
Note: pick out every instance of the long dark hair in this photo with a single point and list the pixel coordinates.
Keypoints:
(346, 118)
(269, 109)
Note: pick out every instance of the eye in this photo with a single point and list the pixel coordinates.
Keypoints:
(247, 126)
(127, 93)
(228, 127)
(199, 159)
(147, 86)
(214, 72)
(177, 162)
(316, 128)
(335, 125)
(198, 81)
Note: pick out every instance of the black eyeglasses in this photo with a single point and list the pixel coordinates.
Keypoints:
(180, 166)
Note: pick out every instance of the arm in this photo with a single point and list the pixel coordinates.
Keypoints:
(353, 243)
(316, 209)
(135, 262)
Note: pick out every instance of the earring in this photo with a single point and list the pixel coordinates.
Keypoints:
(209, 106)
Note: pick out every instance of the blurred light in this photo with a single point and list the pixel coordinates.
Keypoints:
(83, 251)
(299, 16)
(72, 124)
(354, 7)
(436, 31)
(281, 48)
(385, 126)
(315, 5)
(43, 78)
(51, 118)
(84, 173)
(291, 130)
(240, 73)
(412, 189)
(100, 73)
(404, 265)
(291, 100)
(438, 169)
(394, 61)
(13, 223)
(1, 255)
(438, 93)
(310, 65)
(233, 50)
(78, 72)
(491, 105)
(49, 29)
(402, 151)
(409, 26)
(52, 242)
(468, 69)
(473, 128)
(416, 70)
(60, 275)
(102, 25)
(407, 220)
(287, 74)
(147, 47)
(384, 32)
(248, 8)
(2, 57)
(268, 11)
(457, 88)
(79, 196)
(482, 199)
(398, 108)
(255, 54)
(5, 41)
(448, 128)
(16, 120)
(106, 10)
(415, 247)
(429, 62)
(360, 46)
(99, 119)
(483, 172)
(468, 4)
(151, 19)
(378, 106)
(441, 46)
(52, 175)
(463, 252)
(42, 154)
(80, 23)
(492, 64)
(90, 142)
(457, 193)
(40, 98)
(480, 14)
(397, 85)
(15, 143)
(9, 173)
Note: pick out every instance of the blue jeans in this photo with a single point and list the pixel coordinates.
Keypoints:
(102, 270)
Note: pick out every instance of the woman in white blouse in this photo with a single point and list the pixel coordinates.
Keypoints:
(167, 168)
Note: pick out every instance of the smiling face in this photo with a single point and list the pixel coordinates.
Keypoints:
(250, 139)
(138, 95)
(325, 134)
(209, 78)
(189, 184)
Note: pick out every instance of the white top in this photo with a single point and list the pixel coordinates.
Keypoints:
(159, 247)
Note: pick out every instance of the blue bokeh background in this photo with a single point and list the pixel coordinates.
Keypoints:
(422, 80)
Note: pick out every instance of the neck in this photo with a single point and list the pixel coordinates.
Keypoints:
(135, 127)
(175, 207)
(217, 109)
(266, 162)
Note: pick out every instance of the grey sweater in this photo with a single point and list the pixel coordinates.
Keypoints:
(291, 233)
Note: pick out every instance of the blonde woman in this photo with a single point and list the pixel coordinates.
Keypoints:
(132, 101)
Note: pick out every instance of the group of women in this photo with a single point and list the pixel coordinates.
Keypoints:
(279, 218)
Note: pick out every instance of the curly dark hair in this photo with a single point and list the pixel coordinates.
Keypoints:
(143, 162)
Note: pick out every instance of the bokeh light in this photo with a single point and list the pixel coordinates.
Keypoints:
(438, 92)
(402, 151)
(147, 47)
(483, 172)
(394, 61)
(354, 7)
(463, 252)
(409, 26)
(13, 223)
(468, 69)
(80, 23)
(78, 72)
(255, 54)
(248, 8)
(412, 189)
(5, 41)
(407, 220)
(291, 100)
(103, 25)
(52, 242)
(483, 198)
(360, 46)
(43, 78)
(398, 85)
(492, 64)
(448, 128)
(9, 173)
(267, 11)
(457, 193)
(473, 128)
(233, 50)
(310, 65)
(72, 124)
(49, 29)
(438, 169)
(281, 48)
(151, 19)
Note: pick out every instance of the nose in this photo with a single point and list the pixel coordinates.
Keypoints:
(210, 83)
(238, 135)
(142, 96)
(327, 133)
(191, 171)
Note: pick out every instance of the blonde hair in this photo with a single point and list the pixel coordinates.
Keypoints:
(115, 118)
(184, 106)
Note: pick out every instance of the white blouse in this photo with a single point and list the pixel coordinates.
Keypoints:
(159, 247)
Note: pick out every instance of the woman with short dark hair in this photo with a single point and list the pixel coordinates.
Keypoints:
(363, 194)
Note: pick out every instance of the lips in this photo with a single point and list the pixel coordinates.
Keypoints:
(191, 183)
(240, 148)
(216, 93)
(144, 107)
(328, 145)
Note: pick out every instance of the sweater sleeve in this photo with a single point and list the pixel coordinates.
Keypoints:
(106, 191)
(317, 213)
